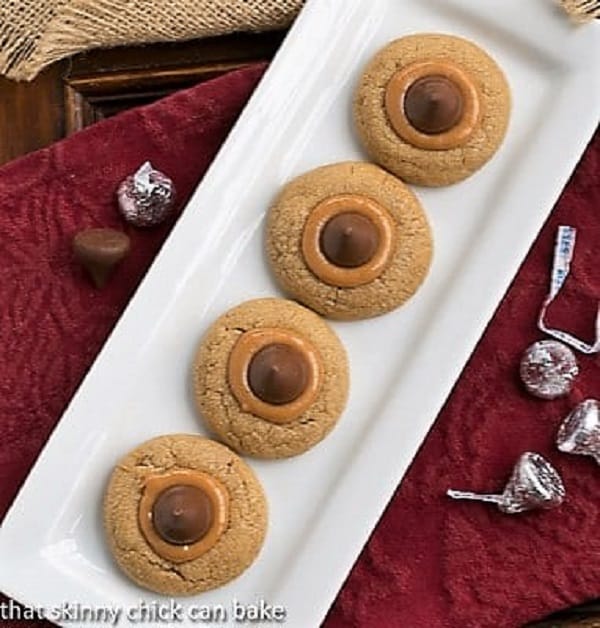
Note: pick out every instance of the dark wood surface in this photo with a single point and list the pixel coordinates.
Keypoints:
(89, 87)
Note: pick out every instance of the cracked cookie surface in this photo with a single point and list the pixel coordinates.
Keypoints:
(417, 165)
(409, 262)
(235, 550)
(244, 431)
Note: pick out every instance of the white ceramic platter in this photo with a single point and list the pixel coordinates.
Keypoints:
(403, 364)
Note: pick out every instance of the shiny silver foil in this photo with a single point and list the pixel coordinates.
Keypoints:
(534, 483)
(580, 431)
(548, 369)
(146, 198)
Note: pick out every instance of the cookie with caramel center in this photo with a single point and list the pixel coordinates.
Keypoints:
(432, 108)
(183, 514)
(270, 378)
(349, 240)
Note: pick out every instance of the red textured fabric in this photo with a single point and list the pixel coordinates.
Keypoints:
(430, 563)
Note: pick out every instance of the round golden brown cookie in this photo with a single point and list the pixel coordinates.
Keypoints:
(270, 378)
(138, 518)
(301, 218)
(432, 108)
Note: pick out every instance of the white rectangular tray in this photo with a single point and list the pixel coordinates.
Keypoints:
(403, 365)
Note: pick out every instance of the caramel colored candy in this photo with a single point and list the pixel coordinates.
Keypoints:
(278, 374)
(433, 104)
(99, 251)
(182, 515)
(274, 373)
(349, 240)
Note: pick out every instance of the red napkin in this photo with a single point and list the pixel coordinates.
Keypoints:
(431, 562)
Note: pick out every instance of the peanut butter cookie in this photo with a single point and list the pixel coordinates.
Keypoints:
(184, 514)
(432, 108)
(349, 240)
(270, 378)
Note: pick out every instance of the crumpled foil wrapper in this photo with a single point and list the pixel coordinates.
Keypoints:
(146, 198)
(580, 431)
(533, 484)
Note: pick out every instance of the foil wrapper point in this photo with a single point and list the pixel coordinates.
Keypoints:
(533, 484)
(579, 433)
(147, 197)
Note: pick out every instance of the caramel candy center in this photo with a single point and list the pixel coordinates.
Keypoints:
(182, 514)
(349, 240)
(274, 373)
(278, 374)
(433, 104)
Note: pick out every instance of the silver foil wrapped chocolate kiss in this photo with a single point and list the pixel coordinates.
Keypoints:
(534, 483)
(146, 198)
(580, 431)
(548, 369)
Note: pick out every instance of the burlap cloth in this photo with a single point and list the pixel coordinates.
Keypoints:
(34, 33)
